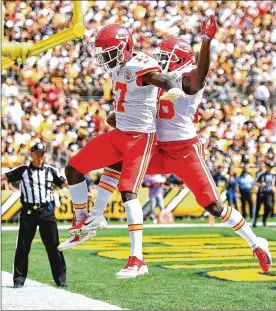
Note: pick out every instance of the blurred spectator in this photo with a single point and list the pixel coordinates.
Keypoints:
(14, 113)
(219, 175)
(173, 180)
(231, 188)
(245, 183)
(98, 122)
(54, 96)
(9, 88)
(90, 188)
(156, 193)
(262, 170)
(262, 94)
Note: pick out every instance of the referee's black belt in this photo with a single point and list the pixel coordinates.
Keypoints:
(265, 192)
(33, 206)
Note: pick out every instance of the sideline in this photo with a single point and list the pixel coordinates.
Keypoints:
(32, 297)
(150, 226)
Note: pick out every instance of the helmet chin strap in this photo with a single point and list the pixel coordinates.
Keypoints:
(184, 66)
(169, 60)
(168, 63)
(111, 70)
(119, 58)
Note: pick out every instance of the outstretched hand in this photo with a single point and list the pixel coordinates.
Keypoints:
(209, 28)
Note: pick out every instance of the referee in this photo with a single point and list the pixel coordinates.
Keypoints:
(37, 200)
(265, 195)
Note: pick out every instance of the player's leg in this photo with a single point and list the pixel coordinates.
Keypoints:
(243, 203)
(250, 204)
(108, 183)
(158, 163)
(257, 210)
(135, 164)
(50, 238)
(153, 202)
(98, 153)
(26, 233)
(268, 201)
(229, 198)
(160, 202)
(235, 200)
(197, 177)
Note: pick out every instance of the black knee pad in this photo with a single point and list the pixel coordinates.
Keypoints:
(215, 208)
(73, 176)
(127, 196)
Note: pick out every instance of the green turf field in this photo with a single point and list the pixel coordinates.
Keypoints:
(190, 268)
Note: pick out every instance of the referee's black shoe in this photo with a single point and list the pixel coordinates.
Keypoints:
(17, 285)
(62, 284)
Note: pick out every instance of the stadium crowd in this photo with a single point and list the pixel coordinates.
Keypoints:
(62, 97)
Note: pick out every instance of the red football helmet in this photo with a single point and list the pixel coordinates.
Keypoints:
(173, 53)
(113, 47)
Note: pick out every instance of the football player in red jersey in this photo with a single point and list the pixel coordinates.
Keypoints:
(136, 79)
(179, 148)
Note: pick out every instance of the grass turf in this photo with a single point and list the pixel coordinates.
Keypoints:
(185, 220)
(163, 288)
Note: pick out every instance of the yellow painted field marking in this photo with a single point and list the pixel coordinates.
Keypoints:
(242, 275)
(198, 251)
(213, 265)
(124, 253)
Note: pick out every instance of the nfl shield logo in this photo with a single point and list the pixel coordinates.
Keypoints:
(128, 76)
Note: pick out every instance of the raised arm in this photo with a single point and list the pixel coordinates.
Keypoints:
(164, 82)
(196, 78)
(160, 80)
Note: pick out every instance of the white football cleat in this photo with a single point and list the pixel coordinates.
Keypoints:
(94, 223)
(173, 94)
(263, 254)
(133, 268)
(73, 241)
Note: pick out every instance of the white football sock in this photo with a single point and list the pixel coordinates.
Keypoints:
(108, 183)
(233, 218)
(134, 214)
(79, 195)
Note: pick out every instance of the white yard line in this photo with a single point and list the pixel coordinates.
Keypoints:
(152, 226)
(38, 296)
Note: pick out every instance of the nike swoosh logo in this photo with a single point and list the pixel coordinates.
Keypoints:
(87, 223)
(186, 156)
(268, 259)
(136, 136)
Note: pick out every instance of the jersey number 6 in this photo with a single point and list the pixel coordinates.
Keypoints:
(120, 86)
(165, 108)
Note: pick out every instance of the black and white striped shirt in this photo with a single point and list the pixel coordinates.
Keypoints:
(267, 181)
(36, 183)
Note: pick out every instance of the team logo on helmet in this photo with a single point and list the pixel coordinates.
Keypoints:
(122, 34)
(128, 76)
(184, 46)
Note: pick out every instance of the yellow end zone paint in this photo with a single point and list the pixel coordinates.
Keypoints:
(242, 275)
(198, 251)
(211, 265)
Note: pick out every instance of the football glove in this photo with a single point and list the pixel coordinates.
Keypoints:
(209, 28)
